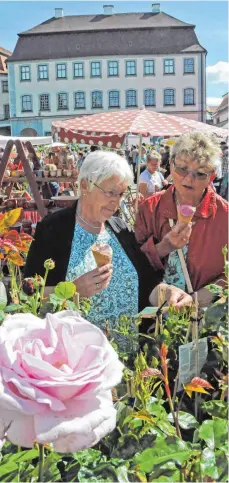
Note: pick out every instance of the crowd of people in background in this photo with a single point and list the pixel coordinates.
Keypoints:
(155, 168)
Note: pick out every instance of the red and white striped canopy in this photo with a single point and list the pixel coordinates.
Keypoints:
(110, 128)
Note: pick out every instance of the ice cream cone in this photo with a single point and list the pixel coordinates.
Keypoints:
(102, 253)
(185, 213)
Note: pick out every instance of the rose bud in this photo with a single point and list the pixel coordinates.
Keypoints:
(49, 264)
(28, 286)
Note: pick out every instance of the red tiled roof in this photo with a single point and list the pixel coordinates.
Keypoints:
(5, 51)
(4, 54)
(223, 105)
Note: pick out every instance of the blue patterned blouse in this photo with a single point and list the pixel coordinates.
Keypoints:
(121, 295)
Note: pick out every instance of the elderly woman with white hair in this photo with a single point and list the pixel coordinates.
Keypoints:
(194, 162)
(67, 235)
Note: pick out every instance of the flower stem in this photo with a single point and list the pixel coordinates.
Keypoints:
(41, 463)
(43, 287)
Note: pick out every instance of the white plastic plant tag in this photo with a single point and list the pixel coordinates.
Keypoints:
(187, 366)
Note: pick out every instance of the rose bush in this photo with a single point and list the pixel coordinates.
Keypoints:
(56, 377)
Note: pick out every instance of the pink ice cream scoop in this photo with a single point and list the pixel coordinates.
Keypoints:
(185, 213)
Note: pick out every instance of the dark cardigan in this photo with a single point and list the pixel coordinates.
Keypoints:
(53, 239)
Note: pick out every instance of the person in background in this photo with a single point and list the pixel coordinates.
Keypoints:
(134, 151)
(151, 179)
(1, 152)
(194, 162)
(80, 159)
(142, 162)
(121, 153)
(94, 148)
(225, 173)
(42, 159)
(165, 160)
(127, 153)
(75, 156)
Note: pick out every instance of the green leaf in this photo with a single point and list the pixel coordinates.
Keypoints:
(214, 433)
(215, 315)
(166, 427)
(213, 288)
(51, 471)
(65, 290)
(156, 409)
(12, 308)
(10, 462)
(122, 474)
(164, 450)
(214, 464)
(216, 408)
(88, 456)
(186, 420)
(166, 472)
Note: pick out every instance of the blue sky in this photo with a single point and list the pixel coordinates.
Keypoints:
(210, 18)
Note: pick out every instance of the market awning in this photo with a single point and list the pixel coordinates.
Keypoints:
(110, 128)
(36, 141)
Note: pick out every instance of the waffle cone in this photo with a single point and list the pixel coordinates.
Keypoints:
(101, 258)
(184, 219)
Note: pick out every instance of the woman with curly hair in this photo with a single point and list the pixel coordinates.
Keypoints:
(194, 160)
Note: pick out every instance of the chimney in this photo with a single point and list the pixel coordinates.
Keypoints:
(59, 12)
(156, 8)
(108, 9)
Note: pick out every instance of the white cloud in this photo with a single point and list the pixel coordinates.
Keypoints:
(214, 101)
(218, 73)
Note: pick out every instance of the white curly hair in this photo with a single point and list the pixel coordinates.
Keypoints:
(101, 165)
(199, 147)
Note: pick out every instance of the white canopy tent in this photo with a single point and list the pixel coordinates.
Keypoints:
(34, 140)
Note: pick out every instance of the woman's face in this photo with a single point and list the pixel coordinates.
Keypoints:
(153, 165)
(190, 186)
(105, 198)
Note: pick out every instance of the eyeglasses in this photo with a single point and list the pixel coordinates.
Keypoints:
(111, 193)
(195, 174)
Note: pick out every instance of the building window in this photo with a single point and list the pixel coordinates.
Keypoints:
(149, 97)
(114, 99)
(61, 71)
(26, 103)
(188, 66)
(131, 98)
(5, 86)
(131, 67)
(62, 100)
(43, 72)
(188, 97)
(169, 97)
(6, 109)
(169, 67)
(79, 98)
(97, 99)
(95, 69)
(148, 67)
(113, 68)
(25, 73)
(48, 133)
(78, 69)
(44, 102)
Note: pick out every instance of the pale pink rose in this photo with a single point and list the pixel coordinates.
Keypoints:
(56, 377)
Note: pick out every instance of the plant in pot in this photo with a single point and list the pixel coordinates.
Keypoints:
(52, 170)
